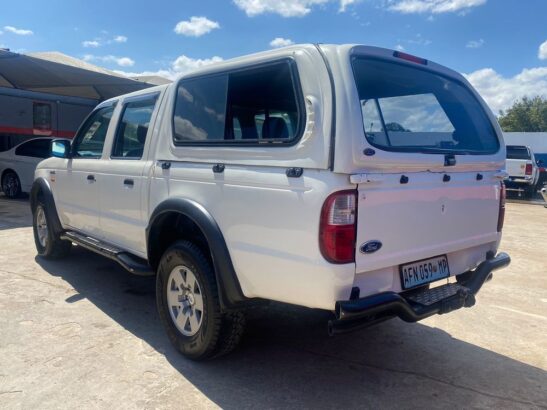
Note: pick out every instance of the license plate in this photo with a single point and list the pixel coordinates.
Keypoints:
(424, 271)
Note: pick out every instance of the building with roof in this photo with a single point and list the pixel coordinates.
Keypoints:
(50, 93)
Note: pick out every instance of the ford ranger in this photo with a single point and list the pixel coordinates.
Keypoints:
(354, 179)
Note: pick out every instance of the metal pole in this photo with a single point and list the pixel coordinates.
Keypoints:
(544, 195)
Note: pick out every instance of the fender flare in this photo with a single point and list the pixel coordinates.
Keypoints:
(228, 284)
(41, 187)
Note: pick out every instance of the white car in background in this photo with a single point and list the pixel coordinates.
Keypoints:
(17, 165)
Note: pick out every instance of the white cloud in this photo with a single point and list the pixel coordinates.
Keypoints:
(399, 47)
(91, 43)
(501, 92)
(419, 40)
(475, 43)
(281, 42)
(433, 6)
(181, 65)
(285, 8)
(196, 26)
(120, 39)
(184, 64)
(542, 53)
(121, 61)
(345, 3)
(18, 31)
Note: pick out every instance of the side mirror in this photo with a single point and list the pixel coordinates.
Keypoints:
(60, 148)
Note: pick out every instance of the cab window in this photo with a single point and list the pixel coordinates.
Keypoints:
(90, 140)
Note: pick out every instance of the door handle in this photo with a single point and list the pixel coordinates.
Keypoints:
(128, 182)
(91, 178)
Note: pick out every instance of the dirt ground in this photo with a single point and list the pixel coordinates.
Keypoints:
(83, 333)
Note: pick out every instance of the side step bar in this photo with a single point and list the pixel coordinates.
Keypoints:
(131, 263)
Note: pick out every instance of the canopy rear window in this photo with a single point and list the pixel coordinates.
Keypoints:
(415, 110)
(517, 152)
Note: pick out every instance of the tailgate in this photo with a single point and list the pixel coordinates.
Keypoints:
(516, 167)
(425, 217)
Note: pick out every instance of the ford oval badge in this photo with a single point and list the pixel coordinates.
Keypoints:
(371, 246)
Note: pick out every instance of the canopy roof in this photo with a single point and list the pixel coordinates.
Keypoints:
(56, 73)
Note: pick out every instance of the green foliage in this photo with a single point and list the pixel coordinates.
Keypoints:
(526, 115)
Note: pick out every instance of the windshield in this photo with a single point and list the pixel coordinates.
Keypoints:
(414, 110)
(517, 152)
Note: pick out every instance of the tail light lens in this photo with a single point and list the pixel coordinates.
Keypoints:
(501, 214)
(337, 228)
(528, 170)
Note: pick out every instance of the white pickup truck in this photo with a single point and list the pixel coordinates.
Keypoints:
(355, 179)
(522, 169)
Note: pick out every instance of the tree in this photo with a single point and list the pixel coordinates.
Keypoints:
(526, 115)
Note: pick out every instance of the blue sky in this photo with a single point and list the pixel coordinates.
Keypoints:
(496, 43)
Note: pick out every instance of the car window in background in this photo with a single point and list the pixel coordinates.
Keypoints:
(90, 140)
(516, 152)
(38, 148)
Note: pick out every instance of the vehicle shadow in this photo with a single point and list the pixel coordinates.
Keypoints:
(14, 213)
(287, 360)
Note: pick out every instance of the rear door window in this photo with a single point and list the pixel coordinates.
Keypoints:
(133, 128)
(415, 110)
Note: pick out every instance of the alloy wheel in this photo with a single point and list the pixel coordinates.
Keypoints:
(185, 300)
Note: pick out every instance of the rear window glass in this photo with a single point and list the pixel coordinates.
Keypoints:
(517, 152)
(415, 110)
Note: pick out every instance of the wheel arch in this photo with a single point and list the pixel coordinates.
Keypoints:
(5, 171)
(183, 210)
(41, 189)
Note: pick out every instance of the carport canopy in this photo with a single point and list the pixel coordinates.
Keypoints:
(56, 73)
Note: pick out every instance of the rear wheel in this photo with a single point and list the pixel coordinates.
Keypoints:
(188, 304)
(530, 191)
(48, 243)
(11, 185)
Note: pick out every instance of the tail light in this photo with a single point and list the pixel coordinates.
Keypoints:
(501, 214)
(528, 170)
(410, 57)
(337, 227)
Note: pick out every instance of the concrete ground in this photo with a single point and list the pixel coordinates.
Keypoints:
(82, 332)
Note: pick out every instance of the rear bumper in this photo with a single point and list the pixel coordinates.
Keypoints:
(527, 180)
(358, 313)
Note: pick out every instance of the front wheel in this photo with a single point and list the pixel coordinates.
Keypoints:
(188, 304)
(48, 243)
(11, 185)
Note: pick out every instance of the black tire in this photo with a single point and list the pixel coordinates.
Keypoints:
(218, 333)
(530, 191)
(11, 185)
(48, 243)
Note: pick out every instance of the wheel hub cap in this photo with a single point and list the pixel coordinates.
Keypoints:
(41, 226)
(185, 300)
